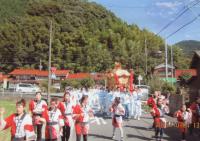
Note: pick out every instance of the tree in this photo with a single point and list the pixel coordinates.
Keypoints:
(86, 38)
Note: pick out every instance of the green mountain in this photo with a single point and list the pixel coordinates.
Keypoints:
(189, 46)
(86, 37)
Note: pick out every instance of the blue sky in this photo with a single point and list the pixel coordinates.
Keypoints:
(155, 14)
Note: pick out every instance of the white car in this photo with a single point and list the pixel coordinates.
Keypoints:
(26, 88)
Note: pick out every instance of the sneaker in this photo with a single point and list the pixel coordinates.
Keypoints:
(113, 137)
(121, 139)
(138, 118)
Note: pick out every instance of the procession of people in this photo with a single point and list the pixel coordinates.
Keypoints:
(77, 109)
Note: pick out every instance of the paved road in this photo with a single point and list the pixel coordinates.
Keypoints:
(135, 131)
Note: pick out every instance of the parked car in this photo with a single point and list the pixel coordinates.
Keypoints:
(26, 88)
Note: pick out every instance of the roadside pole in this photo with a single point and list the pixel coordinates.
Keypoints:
(49, 67)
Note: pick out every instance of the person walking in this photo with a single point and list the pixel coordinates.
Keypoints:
(81, 114)
(66, 108)
(36, 107)
(118, 111)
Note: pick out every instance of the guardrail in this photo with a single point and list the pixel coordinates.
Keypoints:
(29, 95)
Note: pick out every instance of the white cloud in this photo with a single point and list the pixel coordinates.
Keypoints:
(170, 5)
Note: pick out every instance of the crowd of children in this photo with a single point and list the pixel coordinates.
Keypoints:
(187, 116)
(77, 108)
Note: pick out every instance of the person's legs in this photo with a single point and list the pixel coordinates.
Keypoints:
(39, 132)
(135, 110)
(121, 133)
(156, 132)
(154, 124)
(183, 135)
(139, 111)
(78, 137)
(161, 133)
(114, 129)
(191, 127)
(128, 110)
(84, 137)
(64, 133)
(68, 129)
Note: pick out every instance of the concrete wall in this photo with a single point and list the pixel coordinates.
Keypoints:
(175, 102)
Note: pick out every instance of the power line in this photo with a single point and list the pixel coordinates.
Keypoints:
(185, 9)
(190, 22)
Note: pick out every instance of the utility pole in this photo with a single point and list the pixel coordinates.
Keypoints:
(49, 67)
(172, 62)
(146, 56)
(40, 67)
(166, 61)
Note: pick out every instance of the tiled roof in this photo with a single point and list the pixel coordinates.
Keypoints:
(35, 72)
(79, 76)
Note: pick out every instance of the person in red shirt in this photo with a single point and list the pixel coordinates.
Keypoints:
(151, 102)
(81, 114)
(158, 113)
(184, 117)
(54, 121)
(36, 107)
(20, 123)
(66, 108)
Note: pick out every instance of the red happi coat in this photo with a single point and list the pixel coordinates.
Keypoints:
(81, 116)
(181, 118)
(157, 114)
(67, 111)
(41, 106)
(19, 127)
(151, 102)
(54, 121)
(36, 109)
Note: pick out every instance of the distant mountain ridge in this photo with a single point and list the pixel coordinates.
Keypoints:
(189, 46)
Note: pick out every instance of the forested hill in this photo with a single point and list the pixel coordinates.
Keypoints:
(86, 37)
(189, 46)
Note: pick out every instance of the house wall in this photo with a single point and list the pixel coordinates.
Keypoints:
(195, 84)
(161, 72)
